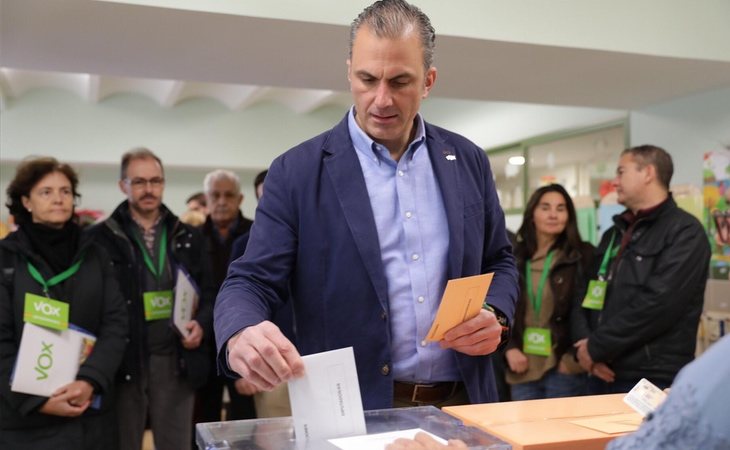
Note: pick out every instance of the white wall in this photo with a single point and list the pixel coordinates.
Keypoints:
(687, 128)
(681, 28)
(191, 139)
(201, 135)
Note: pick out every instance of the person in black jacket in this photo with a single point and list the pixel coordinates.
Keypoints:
(223, 225)
(150, 248)
(637, 315)
(48, 256)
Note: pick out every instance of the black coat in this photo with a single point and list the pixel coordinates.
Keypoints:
(185, 247)
(648, 326)
(219, 253)
(95, 304)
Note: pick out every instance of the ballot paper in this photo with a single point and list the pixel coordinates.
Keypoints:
(611, 423)
(185, 303)
(380, 440)
(645, 397)
(462, 300)
(325, 402)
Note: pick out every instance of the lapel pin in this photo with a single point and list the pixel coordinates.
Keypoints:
(449, 155)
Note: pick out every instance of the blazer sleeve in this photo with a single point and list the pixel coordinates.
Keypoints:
(497, 255)
(257, 283)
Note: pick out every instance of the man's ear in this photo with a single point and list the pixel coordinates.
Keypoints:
(429, 81)
(650, 173)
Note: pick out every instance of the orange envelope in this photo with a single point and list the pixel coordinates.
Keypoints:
(462, 300)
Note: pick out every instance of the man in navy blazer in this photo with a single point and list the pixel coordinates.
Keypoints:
(362, 226)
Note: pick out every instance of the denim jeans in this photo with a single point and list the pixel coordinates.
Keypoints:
(552, 385)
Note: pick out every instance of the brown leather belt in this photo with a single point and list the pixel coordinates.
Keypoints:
(426, 393)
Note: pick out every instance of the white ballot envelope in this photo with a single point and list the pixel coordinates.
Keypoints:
(325, 402)
(186, 301)
(645, 397)
(462, 300)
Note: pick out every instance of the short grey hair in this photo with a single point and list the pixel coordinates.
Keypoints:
(221, 174)
(391, 19)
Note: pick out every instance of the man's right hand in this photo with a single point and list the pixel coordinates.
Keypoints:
(263, 356)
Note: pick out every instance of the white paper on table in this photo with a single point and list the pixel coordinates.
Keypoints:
(326, 401)
(185, 303)
(380, 440)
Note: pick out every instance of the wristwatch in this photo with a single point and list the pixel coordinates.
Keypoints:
(503, 322)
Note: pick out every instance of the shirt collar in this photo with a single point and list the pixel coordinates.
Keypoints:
(376, 152)
(630, 217)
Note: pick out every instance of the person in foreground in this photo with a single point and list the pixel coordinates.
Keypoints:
(637, 317)
(694, 414)
(48, 256)
(363, 225)
(552, 259)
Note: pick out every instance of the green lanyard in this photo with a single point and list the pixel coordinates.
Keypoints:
(536, 300)
(607, 257)
(54, 280)
(160, 260)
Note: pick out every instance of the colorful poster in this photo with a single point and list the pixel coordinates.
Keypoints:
(716, 174)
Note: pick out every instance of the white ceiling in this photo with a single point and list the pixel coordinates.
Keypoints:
(97, 49)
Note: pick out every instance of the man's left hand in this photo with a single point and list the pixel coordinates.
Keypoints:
(477, 336)
(193, 339)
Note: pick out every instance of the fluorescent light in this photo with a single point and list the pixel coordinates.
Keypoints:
(516, 160)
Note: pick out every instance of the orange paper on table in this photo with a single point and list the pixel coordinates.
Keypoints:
(462, 300)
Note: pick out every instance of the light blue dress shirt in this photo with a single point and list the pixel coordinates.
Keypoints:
(414, 243)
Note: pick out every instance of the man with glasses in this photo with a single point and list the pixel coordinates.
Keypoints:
(150, 248)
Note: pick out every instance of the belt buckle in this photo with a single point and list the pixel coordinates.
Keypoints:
(415, 391)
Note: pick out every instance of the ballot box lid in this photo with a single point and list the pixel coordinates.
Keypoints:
(278, 433)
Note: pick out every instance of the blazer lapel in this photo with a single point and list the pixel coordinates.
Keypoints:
(445, 162)
(343, 168)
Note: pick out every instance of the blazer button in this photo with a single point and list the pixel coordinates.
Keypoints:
(639, 258)
(559, 280)
(384, 315)
(385, 370)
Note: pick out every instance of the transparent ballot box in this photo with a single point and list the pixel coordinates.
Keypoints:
(278, 433)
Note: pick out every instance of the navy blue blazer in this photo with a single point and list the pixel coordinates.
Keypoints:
(315, 235)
